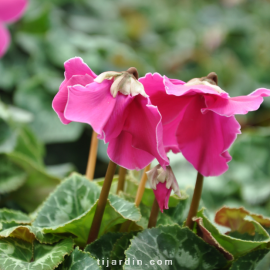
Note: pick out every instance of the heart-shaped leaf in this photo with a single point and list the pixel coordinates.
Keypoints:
(71, 207)
(17, 254)
(171, 247)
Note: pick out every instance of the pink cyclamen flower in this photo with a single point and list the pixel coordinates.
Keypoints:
(117, 108)
(10, 11)
(198, 119)
(163, 182)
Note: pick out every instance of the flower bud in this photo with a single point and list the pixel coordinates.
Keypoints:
(124, 82)
(163, 182)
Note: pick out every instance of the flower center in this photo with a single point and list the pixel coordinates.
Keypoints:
(124, 82)
(205, 81)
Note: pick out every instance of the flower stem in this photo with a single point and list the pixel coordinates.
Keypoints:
(195, 201)
(91, 164)
(154, 214)
(125, 226)
(121, 179)
(141, 187)
(93, 234)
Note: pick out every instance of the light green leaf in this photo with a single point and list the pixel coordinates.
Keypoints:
(71, 207)
(173, 245)
(9, 215)
(17, 254)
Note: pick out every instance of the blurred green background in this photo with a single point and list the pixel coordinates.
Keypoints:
(181, 39)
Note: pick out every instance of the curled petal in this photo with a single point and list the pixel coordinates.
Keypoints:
(205, 138)
(4, 39)
(76, 66)
(91, 104)
(60, 100)
(12, 10)
(236, 105)
(122, 152)
(185, 89)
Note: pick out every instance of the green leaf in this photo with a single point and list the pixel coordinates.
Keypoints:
(234, 246)
(119, 248)
(172, 244)
(18, 254)
(102, 247)
(255, 260)
(7, 136)
(28, 233)
(208, 238)
(9, 215)
(11, 176)
(71, 207)
(79, 260)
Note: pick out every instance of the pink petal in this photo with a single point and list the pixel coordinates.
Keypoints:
(144, 123)
(76, 66)
(60, 100)
(162, 195)
(236, 105)
(175, 88)
(205, 138)
(4, 39)
(92, 104)
(12, 10)
(167, 105)
(121, 151)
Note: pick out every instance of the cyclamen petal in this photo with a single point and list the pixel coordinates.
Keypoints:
(237, 105)
(12, 10)
(162, 195)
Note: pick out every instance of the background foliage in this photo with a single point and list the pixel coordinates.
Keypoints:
(182, 39)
